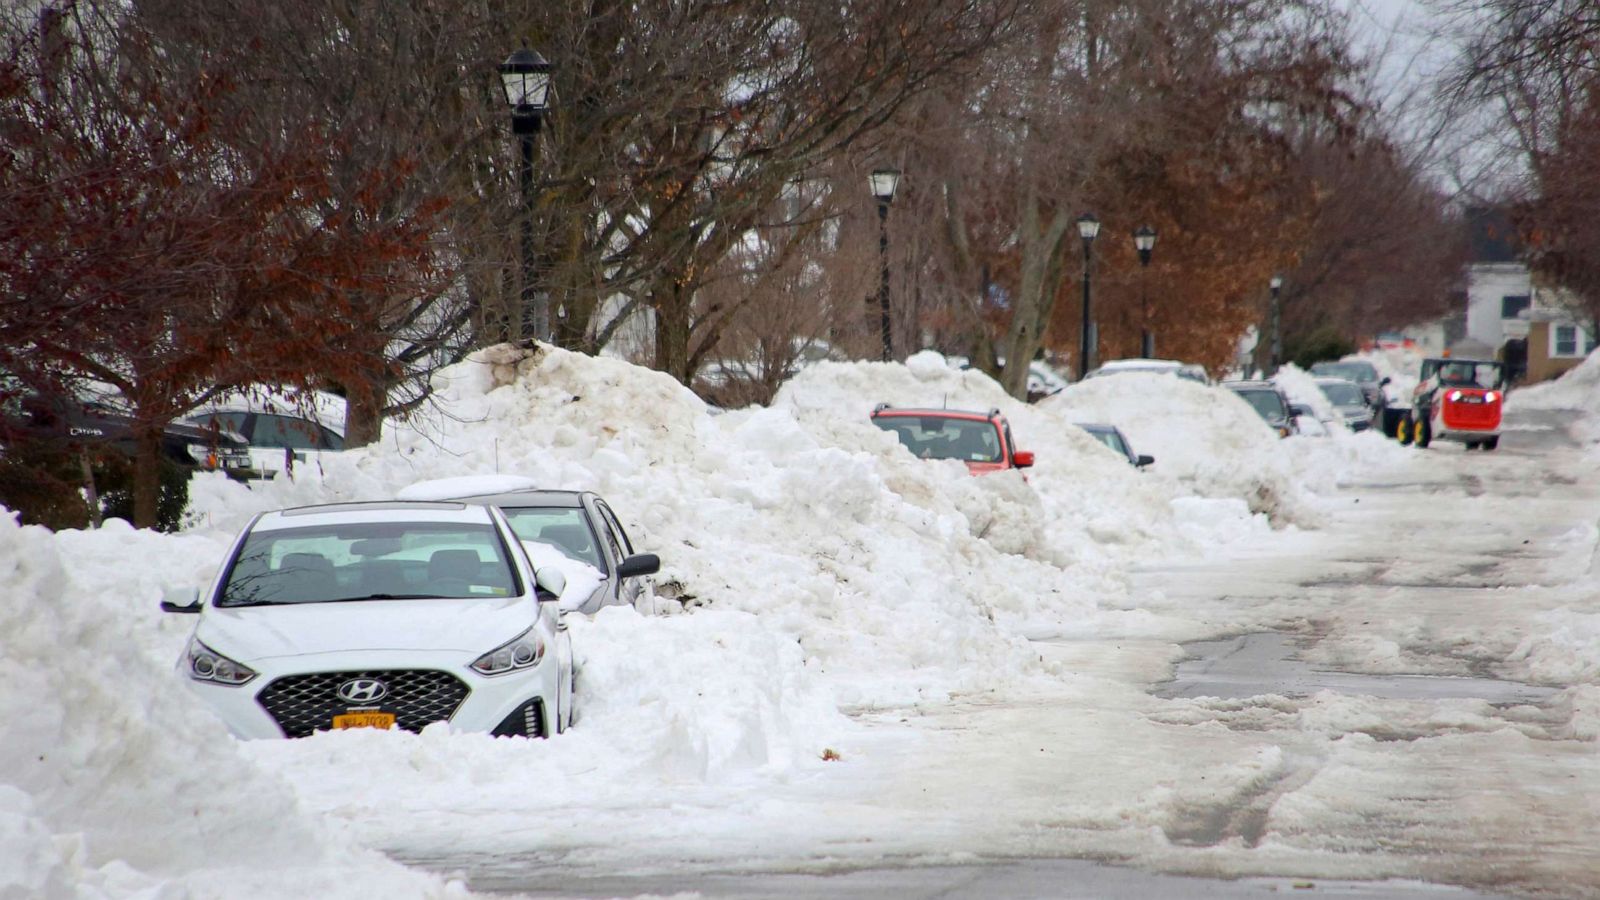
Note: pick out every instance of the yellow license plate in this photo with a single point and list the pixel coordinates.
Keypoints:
(364, 720)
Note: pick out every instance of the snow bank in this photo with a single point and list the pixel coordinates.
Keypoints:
(1206, 438)
(1578, 388)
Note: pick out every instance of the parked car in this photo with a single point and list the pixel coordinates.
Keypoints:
(380, 615)
(578, 523)
(1363, 373)
(1113, 438)
(70, 424)
(1272, 404)
(1349, 402)
(1189, 371)
(279, 442)
(1456, 400)
(982, 440)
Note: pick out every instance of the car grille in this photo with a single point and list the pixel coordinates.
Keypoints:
(302, 704)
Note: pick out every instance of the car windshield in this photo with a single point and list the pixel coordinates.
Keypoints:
(564, 528)
(1350, 371)
(1110, 439)
(369, 561)
(1267, 403)
(1343, 394)
(943, 437)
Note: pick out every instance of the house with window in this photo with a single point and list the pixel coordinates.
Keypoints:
(1556, 343)
(1507, 313)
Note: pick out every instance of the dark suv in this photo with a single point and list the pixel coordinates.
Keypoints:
(66, 424)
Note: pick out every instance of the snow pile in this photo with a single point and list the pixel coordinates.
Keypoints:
(98, 737)
(887, 571)
(1577, 389)
(1301, 387)
(1100, 509)
(1205, 437)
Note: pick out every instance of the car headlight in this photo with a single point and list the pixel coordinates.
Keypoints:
(1455, 395)
(522, 652)
(1490, 397)
(206, 664)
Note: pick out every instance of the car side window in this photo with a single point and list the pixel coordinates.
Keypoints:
(284, 431)
(618, 537)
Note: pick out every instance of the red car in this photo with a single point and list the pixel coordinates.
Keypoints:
(982, 440)
(1456, 400)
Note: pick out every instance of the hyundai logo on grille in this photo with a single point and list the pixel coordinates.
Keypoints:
(362, 690)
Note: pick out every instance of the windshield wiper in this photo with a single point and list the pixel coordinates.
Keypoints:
(382, 597)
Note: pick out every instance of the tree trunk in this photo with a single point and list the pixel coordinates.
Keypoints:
(146, 475)
(91, 495)
(1036, 295)
(671, 302)
(363, 414)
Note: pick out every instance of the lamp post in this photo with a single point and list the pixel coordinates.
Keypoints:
(525, 75)
(1088, 227)
(884, 182)
(1144, 240)
(1276, 347)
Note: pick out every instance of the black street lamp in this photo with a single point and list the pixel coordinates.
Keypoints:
(1276, 347)
(1088, 227)
(1144, 240)
(526, 78)
(884, 182)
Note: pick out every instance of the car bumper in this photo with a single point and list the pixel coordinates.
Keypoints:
(484, 704)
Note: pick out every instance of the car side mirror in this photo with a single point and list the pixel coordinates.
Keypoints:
(181, 600)
(551, 581)
(1383, 381)
(1022, 459)
(639, 564)
(1144, 459)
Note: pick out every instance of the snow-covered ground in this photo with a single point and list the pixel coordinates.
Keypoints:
(826, 586)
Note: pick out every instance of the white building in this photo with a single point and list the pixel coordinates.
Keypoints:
(1499, 285)
(1504, 304)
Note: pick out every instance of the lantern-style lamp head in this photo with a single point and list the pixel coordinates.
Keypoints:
(884, 183)
(526, 77)
(1144, 240)
(1088, 227)
(1276, 282)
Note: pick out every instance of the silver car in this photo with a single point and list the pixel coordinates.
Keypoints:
(581, 525)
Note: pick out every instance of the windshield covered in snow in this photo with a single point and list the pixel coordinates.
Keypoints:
(369, 561)
(941, 437)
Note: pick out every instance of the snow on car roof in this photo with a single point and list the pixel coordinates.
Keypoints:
(377, 510)
(465, 486)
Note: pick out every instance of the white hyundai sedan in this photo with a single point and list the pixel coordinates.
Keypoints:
(380, 615)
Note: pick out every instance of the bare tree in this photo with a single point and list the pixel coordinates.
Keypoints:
(1537, 63)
